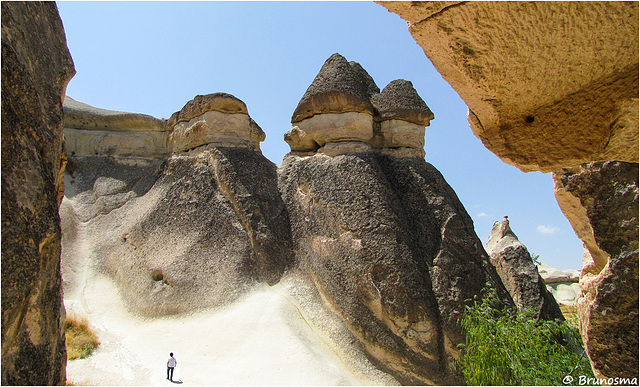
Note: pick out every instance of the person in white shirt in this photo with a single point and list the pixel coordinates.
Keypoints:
(171, 364)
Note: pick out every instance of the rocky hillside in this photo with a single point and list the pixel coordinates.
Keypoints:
(200, 219)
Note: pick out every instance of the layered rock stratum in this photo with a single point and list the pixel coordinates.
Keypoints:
(36, 67)
(519, 273)
(380, 232)
(343, 111)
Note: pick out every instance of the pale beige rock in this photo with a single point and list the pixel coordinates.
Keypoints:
(90, 131)
(345, 147)
(545, 82)
(403, 152)
(214, 127)
(79, 115)
(398, 133)
(338, 127)
(299, 140)
(116, 143)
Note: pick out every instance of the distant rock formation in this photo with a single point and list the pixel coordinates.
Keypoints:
(343, 111)
(384, 237)
(190, 230)
(562, 284)
(36, 67)
(519, 273)
(601, 202)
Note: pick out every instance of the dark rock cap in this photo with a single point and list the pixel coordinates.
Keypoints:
(339, 87)
(400, 101)
(221, 102)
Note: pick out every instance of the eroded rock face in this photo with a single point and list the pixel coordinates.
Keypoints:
(529, 80)
(601, 202)
(343, 111)
(181, 232)
(36, 67)
(91, 131)
(384, 238)
(194, 231)
(219, 119)
(544, 97)
(519, 274)
(389, 245)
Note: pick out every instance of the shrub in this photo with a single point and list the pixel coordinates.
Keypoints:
(507, 347)
(81, 340)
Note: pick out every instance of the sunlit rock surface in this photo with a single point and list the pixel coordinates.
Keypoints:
(343, 111)
(519, 273)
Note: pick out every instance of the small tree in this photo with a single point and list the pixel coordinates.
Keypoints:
(507, 347)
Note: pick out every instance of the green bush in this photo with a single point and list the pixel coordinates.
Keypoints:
(507, 347)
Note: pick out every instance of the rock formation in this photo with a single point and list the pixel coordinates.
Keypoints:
(601, 202)
(36, 67)
(519, 273)
(343, 111)
(90, 131)
(381, 233)
(562, 284)
(549, 86)
(179, 233)
(530, 71)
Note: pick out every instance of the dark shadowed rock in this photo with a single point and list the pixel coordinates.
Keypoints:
(339, 87)
(36, 67)
(389, 245)
(519, 274)
(400, 101)
(600, 200)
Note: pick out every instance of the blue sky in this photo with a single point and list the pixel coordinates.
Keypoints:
(153, 57)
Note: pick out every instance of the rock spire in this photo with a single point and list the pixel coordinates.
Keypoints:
(343, 111)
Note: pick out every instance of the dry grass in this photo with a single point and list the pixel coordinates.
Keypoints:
(81, 340)
(73, 383)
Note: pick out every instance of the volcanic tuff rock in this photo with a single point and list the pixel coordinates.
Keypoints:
(519, 274)
(343, 111)
(90, 131)
(219, 119)
(549, 85)
(36, 67)
(530, 72)
(390, 246)
(601, 202)
(192, 230)
(563, 284)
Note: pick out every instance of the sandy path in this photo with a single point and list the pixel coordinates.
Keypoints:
(262, 339)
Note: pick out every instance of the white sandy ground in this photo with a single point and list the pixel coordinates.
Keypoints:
(265, 338)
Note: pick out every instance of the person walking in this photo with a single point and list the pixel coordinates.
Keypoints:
(171, 364)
